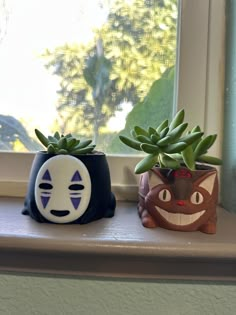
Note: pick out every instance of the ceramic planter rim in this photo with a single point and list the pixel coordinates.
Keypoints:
(94, 153)
(199, 167)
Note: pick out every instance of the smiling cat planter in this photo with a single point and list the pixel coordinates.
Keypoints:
(69, 188)
(181, 200)
(177, 190)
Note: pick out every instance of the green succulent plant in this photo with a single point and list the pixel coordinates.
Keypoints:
(169, 147)
(60, 144)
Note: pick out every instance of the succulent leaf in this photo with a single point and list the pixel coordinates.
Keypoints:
(164, 132)
(83, 150)
(164, 141)
(177, 131)
(57, 135)
(71, 143)
(150, 148)
(62, 143)
(169, 162)
(151, 131)
(213, 139)
(42, 138)
(146, 164)
(140, 131)
(133, 134)
(69, 135)
(209, 160)
(52, 139)
(144, 139)
(155, 138)
(203, 146)
(191, 137)
(177, 120)
(82, 144)
(196, 129)
(162, 126)
(131, 143)
(176, 147)
(62, 151)
(51, 149)
(188, 158)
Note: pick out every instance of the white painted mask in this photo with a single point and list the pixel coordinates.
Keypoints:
(62, 189)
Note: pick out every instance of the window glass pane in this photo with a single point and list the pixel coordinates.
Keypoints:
(94, 68)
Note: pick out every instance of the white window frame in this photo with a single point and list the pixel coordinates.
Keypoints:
(199, 90)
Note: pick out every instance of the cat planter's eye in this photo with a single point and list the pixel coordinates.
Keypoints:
(164, 195)
(197, 198)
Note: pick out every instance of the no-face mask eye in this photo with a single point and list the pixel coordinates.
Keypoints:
(76, 187)
(46, 186)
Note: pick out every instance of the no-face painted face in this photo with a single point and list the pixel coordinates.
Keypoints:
(62, 189)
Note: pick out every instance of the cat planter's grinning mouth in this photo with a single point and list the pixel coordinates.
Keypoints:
(180, 219)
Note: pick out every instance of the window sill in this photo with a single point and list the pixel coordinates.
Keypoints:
(117, 247)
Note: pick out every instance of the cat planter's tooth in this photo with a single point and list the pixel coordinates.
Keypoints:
(166, 215)
(184, 220)
(177, 218)
(187, 219)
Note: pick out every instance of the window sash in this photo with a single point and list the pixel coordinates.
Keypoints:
(199, 90)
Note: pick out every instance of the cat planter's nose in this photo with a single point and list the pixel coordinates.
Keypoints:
(180, 203)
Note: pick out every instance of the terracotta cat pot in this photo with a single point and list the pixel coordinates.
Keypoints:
(180, 200)
(69, 188)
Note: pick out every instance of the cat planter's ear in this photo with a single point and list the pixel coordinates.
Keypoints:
(148, 180)
(208, 183)
(155, 178)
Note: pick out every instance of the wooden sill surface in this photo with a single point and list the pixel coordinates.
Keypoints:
(116, 247)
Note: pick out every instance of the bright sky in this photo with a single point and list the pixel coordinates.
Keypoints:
(26, 86)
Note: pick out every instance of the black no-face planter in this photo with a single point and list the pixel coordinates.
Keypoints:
(69, 188)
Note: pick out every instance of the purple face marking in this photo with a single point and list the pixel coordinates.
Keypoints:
(45, 188)
(45, 201)
(47, 176)
(75, 202)
(75, 193)
(76, 177)
(75, 196)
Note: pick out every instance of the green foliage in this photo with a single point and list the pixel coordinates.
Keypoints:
(12, 131)
(159, 100)
(168, 147)
(140, 39)
(96, 74)
(60, 144)
(138, 45)
(197, 152)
